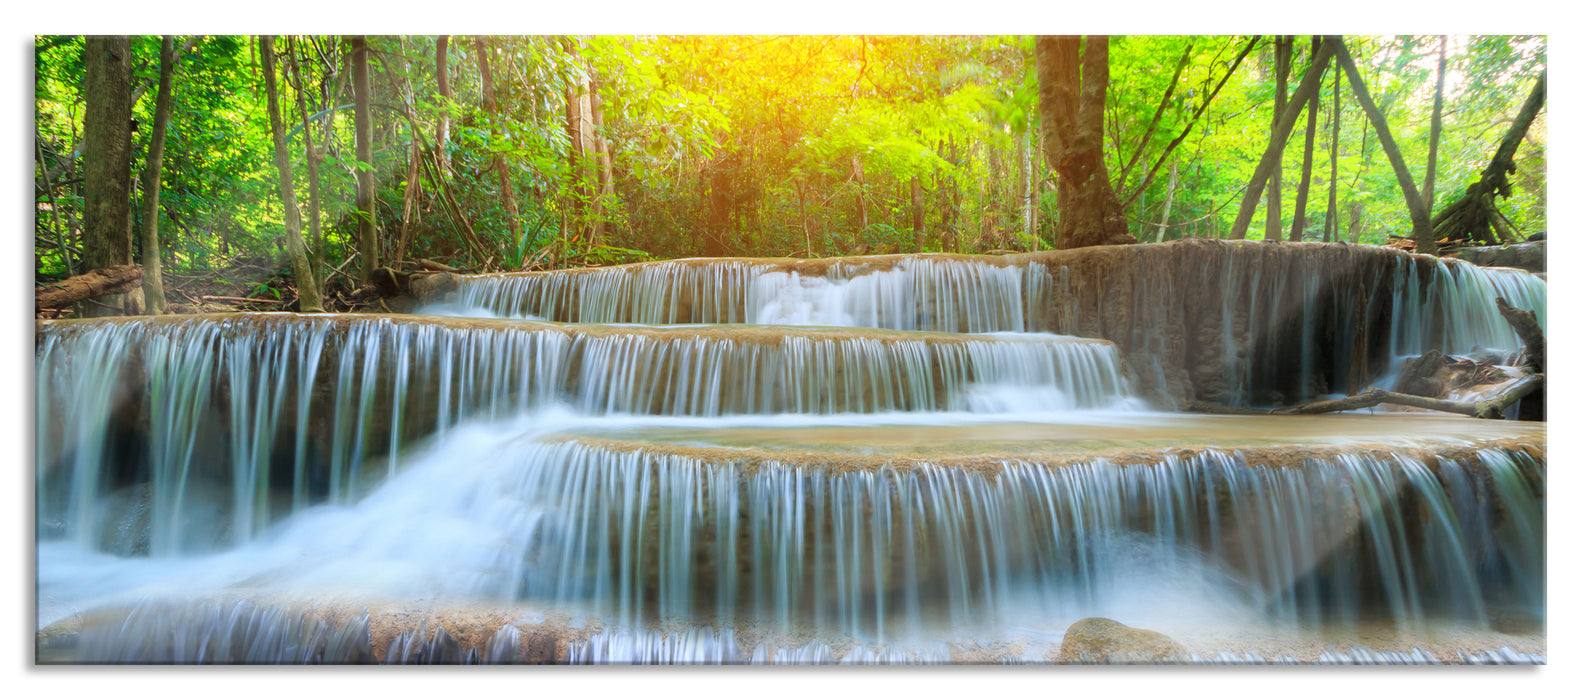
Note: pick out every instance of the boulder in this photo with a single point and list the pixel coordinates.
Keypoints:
(1099, 640)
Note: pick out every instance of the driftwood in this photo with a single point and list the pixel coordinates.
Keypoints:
(238, 300)
(1417, 376)
(1493, 408)
(432, 266)
(1525, 323)
(117, 279)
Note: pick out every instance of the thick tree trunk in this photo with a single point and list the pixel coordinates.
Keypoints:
(153, 283)
(502, 173)
(77, 148)
(107, 181)
(367, 213)
(1273, 217)
(1271, 155)
(307, 289)
(442, 129)
(312, 156)
(1071, 103)
(88, 285)
(917, 215)
(1299, 217)
(1472, 216)
(1430, 244)
(1414, 203)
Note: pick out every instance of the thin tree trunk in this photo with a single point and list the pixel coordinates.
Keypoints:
(1035, 188)
(1299, 217)
(153, 284)
(1170, 194)
(313, 156)
(1273, 219)
(1271, 155)
(107, 182)
(917, 214)
(1178, 140)
(502, 173)
(1354, 226)
(1332, 218)
(862, 199)
(307, 289)
(606, 169)
(1429, 244)
(368, 215)
(442, 130)
(1159, 111)
(1421, 228)
(62, 237)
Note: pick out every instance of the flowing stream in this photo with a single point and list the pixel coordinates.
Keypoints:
(898, 460)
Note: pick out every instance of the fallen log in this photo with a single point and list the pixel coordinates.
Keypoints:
(1491, 408)
(117, 279)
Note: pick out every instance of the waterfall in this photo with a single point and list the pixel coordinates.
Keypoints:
(879, 460)
(1267, 304)
(328, 404)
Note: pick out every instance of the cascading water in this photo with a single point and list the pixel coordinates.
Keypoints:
(805, 489)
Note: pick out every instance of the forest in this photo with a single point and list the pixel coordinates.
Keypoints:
(507, 153)
(833, 349)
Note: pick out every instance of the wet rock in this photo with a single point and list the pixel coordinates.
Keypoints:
(1099, 640)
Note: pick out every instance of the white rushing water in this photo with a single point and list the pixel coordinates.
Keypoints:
(647, 474)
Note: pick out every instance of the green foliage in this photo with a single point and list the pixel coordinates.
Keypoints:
(784, 144)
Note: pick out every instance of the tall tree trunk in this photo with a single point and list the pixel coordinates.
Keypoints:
(307, 289)
(1035, 189)
(580, 155)
(153, 283)
(312, 156)
(1474, 213)
(1332, 217)
(1421, 228)
(1271, 155)
(107, 181)
(442, 130)
(862, 199)
(606, 169)
(1170, 194)
(1273, 218)
(1354, 227)
(917, 215)
(1019, 196)
(1430, 245)
(368, 215)
(1071, 103)
(1299, 217)
(502, 173)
